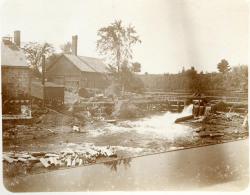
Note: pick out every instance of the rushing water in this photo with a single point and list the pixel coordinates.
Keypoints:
(156, 126)
(162, 126)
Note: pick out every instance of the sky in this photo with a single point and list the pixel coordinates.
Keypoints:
(174, 33)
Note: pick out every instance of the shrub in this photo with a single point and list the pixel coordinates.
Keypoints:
(220, 106)
(83, 93)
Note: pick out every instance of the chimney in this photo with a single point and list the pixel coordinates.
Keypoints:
(74, 45)
(17, 40)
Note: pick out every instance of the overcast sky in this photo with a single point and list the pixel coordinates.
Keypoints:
(174, 33)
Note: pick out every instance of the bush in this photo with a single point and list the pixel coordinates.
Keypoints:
(108, 110)
(126, 110)
(113, 90)
(84, 93)
(220, 106)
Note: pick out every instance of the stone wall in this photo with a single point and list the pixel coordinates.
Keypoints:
(15, 83)
(16, 91)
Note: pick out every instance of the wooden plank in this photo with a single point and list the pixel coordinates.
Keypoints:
(185, 118)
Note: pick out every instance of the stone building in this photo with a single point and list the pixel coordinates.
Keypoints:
(15, 79)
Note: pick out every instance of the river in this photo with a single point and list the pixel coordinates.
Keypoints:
(151, 134)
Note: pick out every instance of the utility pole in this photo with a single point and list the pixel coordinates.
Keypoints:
(43, 78)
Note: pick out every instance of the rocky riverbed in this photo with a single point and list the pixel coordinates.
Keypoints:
(125, 138)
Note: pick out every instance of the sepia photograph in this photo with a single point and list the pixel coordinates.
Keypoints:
(124, 95)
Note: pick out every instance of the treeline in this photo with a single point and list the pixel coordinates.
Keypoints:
(236, 79)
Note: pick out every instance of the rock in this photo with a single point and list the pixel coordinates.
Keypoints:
(112, 121)
(236, 131)
(25, 156)
(53, 161)
(204, 134)
(78, 155)
(44, 162)
(35, 154)
(216, 134)
(80, 162)
(51, 131)
(67, 151)
(76, 128)
(68, 161)
(32, 158)
(73, 162)
(113, 155)
(61, 163)
(198, 130)
(91, 151)
(22, 159)
(51, 155)
(77, 160)
(8, 159)
(106, 152)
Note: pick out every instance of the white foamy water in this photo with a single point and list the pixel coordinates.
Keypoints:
(157, 126)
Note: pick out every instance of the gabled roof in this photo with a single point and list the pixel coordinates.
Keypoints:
(11, 55)
(96, 64)
(87, 64)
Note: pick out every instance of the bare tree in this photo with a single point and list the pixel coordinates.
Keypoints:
(66, 48)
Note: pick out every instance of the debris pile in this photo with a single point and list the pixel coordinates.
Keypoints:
(70, 157)
(227, 119)
(222, 127)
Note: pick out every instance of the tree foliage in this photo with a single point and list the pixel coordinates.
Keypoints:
(34, 52)
(190, 80)
(126, 78)
(129, 81)
(136, 67)
(116, 43)
(223, 66)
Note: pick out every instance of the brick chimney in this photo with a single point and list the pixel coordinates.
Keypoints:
(74, 45)
(17, 38)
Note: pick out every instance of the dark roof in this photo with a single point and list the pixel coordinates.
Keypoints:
(11, 55)
(87, 64)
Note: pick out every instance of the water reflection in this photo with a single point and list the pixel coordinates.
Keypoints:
(113, 165)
